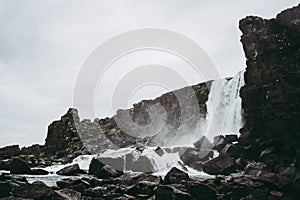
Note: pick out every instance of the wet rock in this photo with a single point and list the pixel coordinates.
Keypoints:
(223, 164)
(116, 162)
(231, 150)
(176, 176)
(95, 166)
(159, 151)
(201, 191)
(197, 166)
(219, 142)
(203, 143)
(107, 172)
(141, 164)
(192, 155)
(72, 170)
(231, 138)
(19, 166)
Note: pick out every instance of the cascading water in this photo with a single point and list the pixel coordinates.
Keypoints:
(224, 111)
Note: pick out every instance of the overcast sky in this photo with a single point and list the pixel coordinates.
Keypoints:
(44, 43)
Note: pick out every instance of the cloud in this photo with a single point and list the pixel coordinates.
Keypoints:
(44, 43)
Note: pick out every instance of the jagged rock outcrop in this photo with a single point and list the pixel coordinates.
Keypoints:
(271, 95)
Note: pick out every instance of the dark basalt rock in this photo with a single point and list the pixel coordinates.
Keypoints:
(175, 176)
(95, 166)
(271, 94)
(72, 170)
(19, 166)
(223, 164)
(203, 143)
(159, 151)
(107, 172)
(36, 190)
(201, 191)
(193, 155)
(219, 142)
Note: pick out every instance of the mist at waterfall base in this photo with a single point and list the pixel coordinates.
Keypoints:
(224, 116)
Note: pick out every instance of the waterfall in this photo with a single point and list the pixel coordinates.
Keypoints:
(224, 106)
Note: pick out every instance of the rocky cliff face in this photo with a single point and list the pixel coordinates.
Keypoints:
(271, 95)
(69, 134)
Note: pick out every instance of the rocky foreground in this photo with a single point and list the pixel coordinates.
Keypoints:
(263, 163)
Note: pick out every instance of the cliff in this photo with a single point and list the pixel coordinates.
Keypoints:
(271, 95)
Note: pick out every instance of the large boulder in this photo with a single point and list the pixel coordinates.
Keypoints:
(223, 164)
(95, 166)
(19, 166)
(71, 170)
(176, 176)
(203, 143)
(192, 155)
(107, 172)
(219, 142)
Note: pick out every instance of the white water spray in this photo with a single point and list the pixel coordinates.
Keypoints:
(224, 110)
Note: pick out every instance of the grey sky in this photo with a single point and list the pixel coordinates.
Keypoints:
(44, 43)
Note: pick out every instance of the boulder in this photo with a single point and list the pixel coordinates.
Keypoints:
(192, 155)
(231, 150)
(79, 185)
(145, 188)
(219, 142)
(168, 192)
(159, 151)
(72, 170)
(19, 166)
(201, 191)
(141, 164)
(107, 172)
(203, 143)
(116, 162)
(36, 190)
(95, 166)
(94, 192)
(223, 164)
(176, 176)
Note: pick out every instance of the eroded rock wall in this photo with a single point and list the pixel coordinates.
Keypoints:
(271, 95)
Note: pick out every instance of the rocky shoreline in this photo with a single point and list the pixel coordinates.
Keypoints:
(263, 163)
